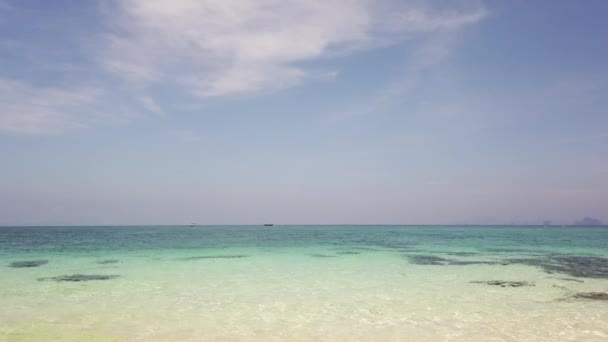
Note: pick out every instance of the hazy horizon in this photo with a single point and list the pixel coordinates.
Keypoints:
(265, 111)
(257, 224)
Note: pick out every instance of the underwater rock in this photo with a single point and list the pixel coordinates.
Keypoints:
(580, 266)
(348, 252)
(81, 277)
(515, 250)
(435, 260)
(461, 253)
(397, 245)
(427, 260)
(568, 279)
(465, 263)
(572, 265)
(105, 262)
(319, 255)
(592, 295)
(236, 256)
(28, 263)
(503, 283)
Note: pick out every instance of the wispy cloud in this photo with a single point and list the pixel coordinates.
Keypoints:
(422, 57)
(213, 48)
(150, 104)
(27, 109)
(208, 48)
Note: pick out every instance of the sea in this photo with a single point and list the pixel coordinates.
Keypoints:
(304, 283)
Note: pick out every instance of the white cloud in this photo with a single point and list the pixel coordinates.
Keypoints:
(214, 48)
(421, 58)
(26, 109)
(150, 104)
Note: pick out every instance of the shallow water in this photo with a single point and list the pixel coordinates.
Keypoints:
(303, 283)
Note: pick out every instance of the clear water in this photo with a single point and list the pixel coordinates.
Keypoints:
(303, 283)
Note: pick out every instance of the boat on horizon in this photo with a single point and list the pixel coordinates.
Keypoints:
(268, 224)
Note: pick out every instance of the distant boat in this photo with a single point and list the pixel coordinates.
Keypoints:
(268, 224)
(192, 224)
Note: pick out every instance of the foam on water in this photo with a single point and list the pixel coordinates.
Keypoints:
(335, 283)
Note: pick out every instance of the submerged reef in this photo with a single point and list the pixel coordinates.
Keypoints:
(105, 262)
(319, 255)
(568, 279)
(473, 262)
(397, 246)
(348, 252)
(28, 263)
(572, 265)
(507, 250)
(592, 295)
(461, 253)
(235, 256)
(81, 277)
(503, 283)
(435, 260)
(427, 260)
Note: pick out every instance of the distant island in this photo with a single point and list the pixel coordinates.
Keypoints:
(588, 221)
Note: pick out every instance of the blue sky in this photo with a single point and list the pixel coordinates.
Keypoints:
(303, 111)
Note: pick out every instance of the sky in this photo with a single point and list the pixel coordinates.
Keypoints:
(303, 111)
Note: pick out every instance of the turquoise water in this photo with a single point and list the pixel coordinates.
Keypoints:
(303, 283)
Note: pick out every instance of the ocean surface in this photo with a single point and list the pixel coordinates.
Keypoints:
(303, 283)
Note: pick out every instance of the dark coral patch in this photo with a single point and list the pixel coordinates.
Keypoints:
(348, 252)
(398, 246)
(592, 295)
(568, 279)
(319, 255)
(575, 266)
(515, 251)
(105, 262)
(473, 262)
(81, 277)
(435, 260)
(427, 260)
(503, 283)
(28, 263)
(462, 253)
(202, 257)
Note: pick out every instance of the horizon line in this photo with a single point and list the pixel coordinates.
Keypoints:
(297, 224)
